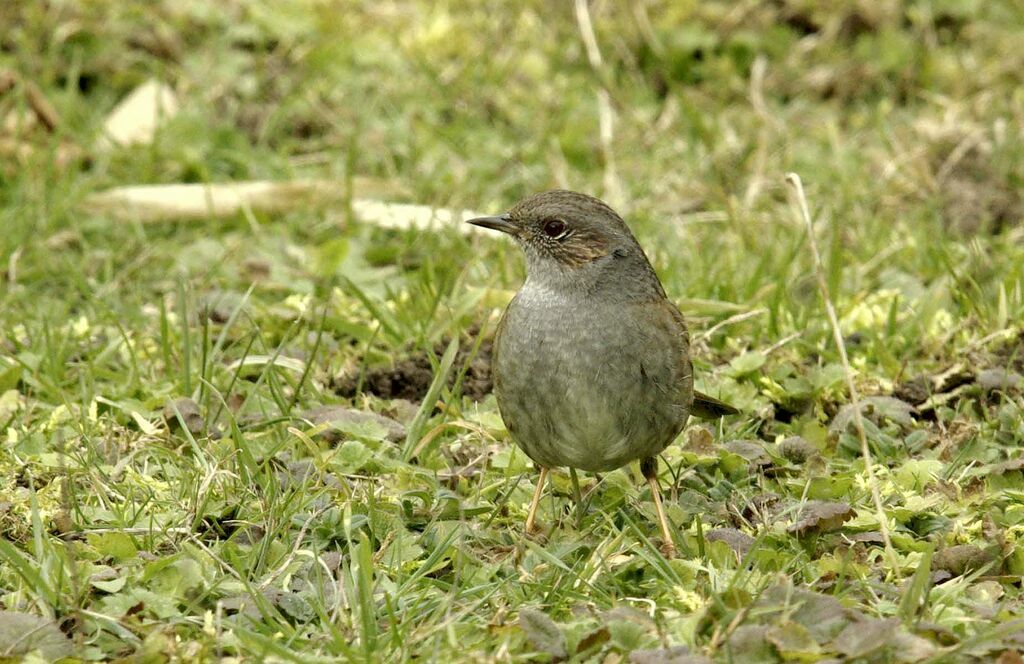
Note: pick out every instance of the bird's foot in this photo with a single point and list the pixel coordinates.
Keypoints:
(668, 549)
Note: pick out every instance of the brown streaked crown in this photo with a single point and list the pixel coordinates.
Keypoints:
(571, 228)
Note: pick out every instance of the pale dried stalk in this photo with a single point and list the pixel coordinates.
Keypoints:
(184, 202)
(793, 180)
(732, 320)
(605, 113)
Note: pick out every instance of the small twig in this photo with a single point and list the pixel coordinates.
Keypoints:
(7, 80)
(12, 266)
(139, 532)
(782, 342)
(1004, 333)
(606, 120)
(758, 72)
(588, 36)
(793, 180)
(731, 320)
(41, 106)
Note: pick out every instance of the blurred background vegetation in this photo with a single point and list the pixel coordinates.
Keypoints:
(903, 117)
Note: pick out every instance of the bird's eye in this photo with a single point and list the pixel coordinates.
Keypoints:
(554, 228)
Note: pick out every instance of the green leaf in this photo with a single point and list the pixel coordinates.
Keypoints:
(353, 455)
(747, 363)
(330, 255)
(109, 585)
(627, 635)
(9, 377)
(916, 591)
(138, 600)
(28, 570)
(364, 588)
(114, 545)
(444, 369)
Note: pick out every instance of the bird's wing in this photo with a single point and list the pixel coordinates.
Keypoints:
(704, 406)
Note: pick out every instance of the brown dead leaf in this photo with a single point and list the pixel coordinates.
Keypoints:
(190, 414)
(700, 441)
(866, 636)
(670, 655)
(823, 615)
(738, 541)
(869, 537)
(23, 633)
(876, 408)
(41, 106)
(821, 516)
(912, 648)
(751, 450)
(596, 638)
(793, 641)
(748, 643)
(962, 558)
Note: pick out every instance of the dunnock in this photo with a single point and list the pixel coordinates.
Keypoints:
(591, 360)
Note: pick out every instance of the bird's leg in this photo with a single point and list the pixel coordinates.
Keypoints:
(537, 492)
(649, 469)
(577, 496)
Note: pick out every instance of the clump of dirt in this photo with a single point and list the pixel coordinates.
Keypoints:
(410, 377)
(976, 183)
(1010, 355)
(975, 199)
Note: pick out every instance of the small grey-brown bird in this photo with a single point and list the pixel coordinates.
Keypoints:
(591, 360)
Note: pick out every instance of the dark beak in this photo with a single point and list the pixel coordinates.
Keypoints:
(500, 223)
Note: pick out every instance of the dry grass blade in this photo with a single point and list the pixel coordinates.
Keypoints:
(732, 320)
(793, 180)
(606, 115)
(7, 81)
(41, 106)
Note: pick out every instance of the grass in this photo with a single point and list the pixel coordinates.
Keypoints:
(143, 526)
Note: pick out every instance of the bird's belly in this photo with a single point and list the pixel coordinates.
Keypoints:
(573, 391)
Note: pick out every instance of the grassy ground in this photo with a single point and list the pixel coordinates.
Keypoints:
(250, 532)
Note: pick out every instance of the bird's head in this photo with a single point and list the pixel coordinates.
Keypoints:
(574, 241)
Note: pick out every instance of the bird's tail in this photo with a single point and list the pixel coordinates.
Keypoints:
(710, 408)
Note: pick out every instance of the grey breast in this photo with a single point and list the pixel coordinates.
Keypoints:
(576, 390)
